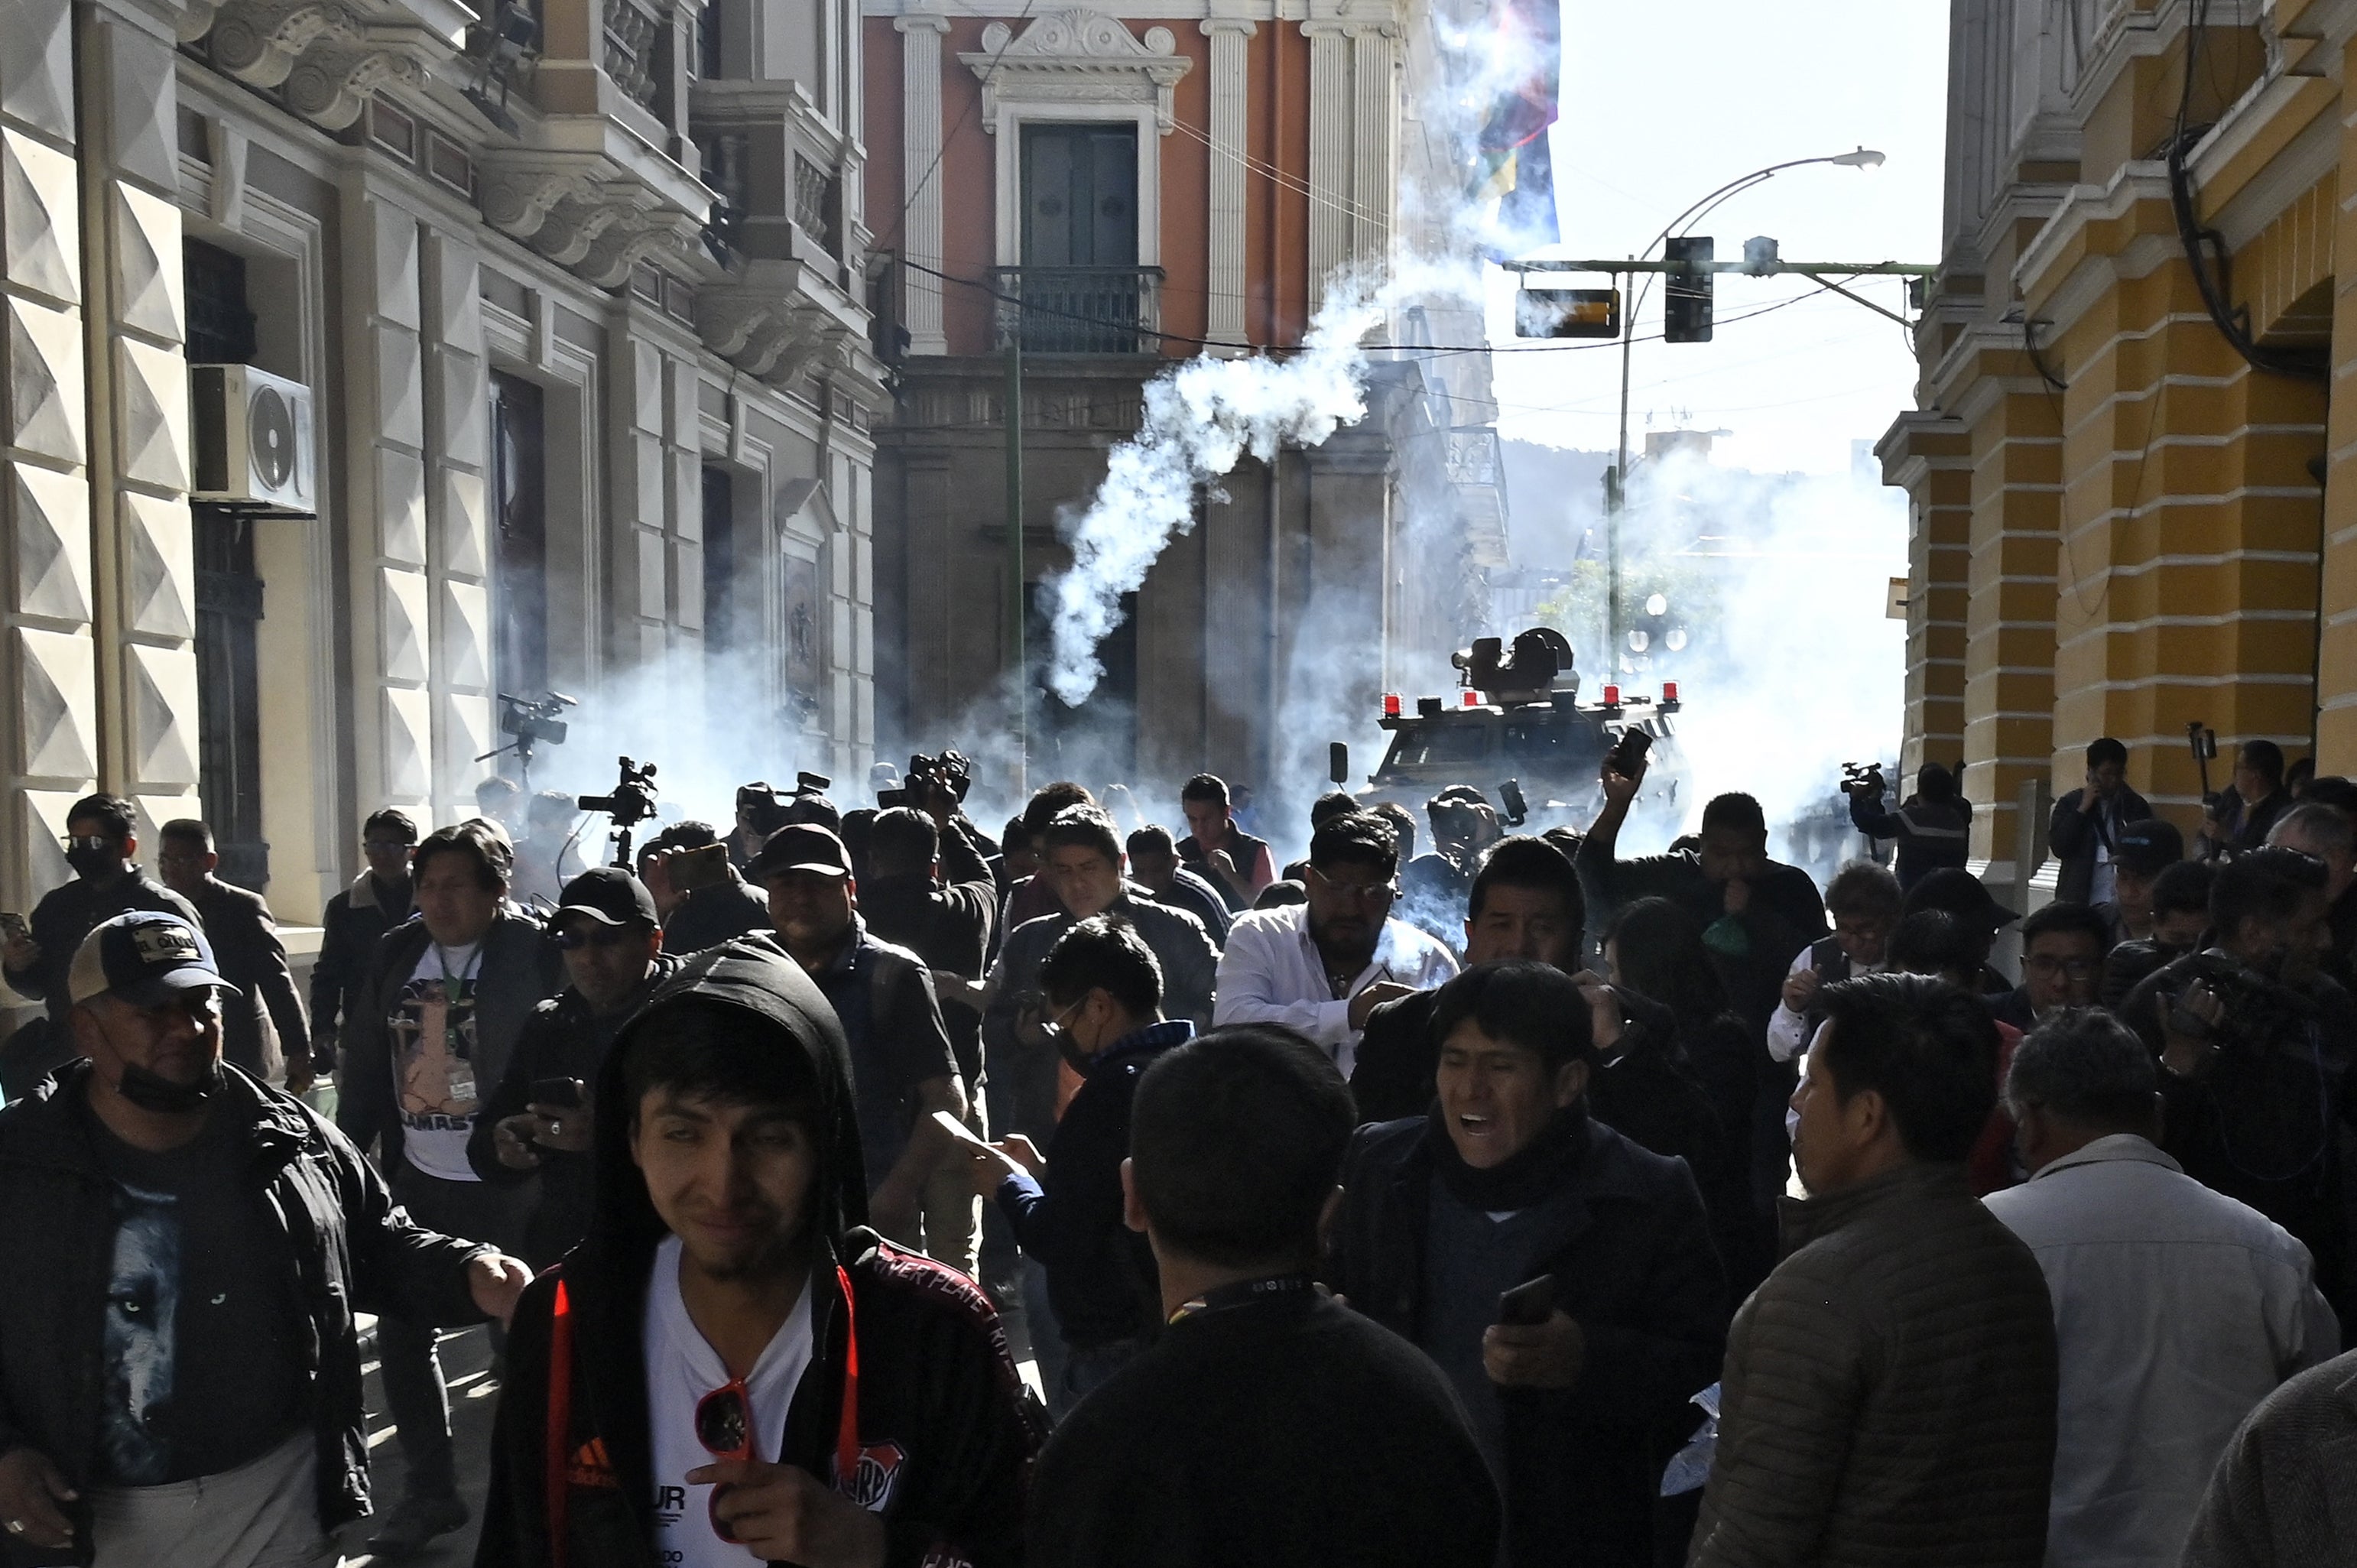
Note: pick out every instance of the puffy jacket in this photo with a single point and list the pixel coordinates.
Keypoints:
(1634, 1264)
(1890, 1394)
(520, 969)
(354, 1248)
(943, 1431)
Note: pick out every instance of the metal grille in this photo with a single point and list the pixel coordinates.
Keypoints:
(1082, 310)
(633, 32)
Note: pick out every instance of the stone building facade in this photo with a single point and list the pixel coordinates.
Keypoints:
(565, 305)
(2134, 504)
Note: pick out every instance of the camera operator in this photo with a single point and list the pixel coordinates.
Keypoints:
(760, 813)
(2237, 820)
(2084, 832)
(1463, 825)
(2255, 1045)
(1934, 827)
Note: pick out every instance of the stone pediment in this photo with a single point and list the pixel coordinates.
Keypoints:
(1077, 56)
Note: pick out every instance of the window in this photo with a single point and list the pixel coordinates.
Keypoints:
(520, 538)
(220, 325)
(1437, 742)
(229, 693)
(1079, 281)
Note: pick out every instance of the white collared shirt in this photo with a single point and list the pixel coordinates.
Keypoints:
(1271, 973)
(2177, 1310)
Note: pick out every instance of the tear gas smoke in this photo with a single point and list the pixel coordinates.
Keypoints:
(1200, 421)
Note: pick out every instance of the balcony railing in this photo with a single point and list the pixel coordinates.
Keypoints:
(818, 196)
(1081, 310)
(633, 56)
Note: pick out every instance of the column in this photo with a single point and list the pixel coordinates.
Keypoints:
(2009, 624)
(457, 385)
(1374, 104)
(1230, 96)
(49, 736)
(920, 176)
(2336, 721)
(639, 623)
(1330, 154)
(1928, 455)
(143, 548)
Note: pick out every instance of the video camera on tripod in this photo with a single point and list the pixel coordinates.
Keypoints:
(633, 803)
(532, 721)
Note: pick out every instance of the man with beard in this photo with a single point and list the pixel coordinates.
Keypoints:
(734, 1368)
(99, 846)
(1509, 1188)
(1321, 968)
(2255, 1044)
(182, 1382)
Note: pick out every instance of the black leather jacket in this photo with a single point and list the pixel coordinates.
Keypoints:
(354, 1250)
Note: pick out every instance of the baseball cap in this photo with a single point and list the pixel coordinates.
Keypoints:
(800, 846)
(2150, 847)
(145, 958)
(1960, 894)
(608, 895)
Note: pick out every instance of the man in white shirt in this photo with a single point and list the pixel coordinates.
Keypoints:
(2177, 1309)
(1319, 968)
(1863, 900)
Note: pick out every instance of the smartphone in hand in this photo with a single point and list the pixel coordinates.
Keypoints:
(1528, 1305)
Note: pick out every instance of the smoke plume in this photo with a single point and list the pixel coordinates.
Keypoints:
(1200, 422)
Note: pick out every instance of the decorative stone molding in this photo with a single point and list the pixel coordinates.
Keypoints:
(517, 191)
(1077, 56)
(329, 56)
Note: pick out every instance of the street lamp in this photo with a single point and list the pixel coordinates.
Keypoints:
(1862, 157)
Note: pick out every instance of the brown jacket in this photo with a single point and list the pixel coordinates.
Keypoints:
(2283, 1495)
(1889, 1390)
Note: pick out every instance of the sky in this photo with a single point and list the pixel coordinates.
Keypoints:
(1659, 106)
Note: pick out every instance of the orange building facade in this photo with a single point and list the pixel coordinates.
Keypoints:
(1154, 182)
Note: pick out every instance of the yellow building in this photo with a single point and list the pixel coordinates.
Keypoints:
(2125, 466)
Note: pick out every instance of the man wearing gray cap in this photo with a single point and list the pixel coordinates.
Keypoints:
(179, 1367)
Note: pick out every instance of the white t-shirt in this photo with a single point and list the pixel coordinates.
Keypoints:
(682, 1367)
(432, 1021)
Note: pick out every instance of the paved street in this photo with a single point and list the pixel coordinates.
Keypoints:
(474, 1395)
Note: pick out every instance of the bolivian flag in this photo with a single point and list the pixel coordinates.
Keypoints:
(1516, 170)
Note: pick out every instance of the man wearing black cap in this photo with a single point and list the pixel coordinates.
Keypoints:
(182, 1376)
(902, 1066)
(2140, 851)
(538, 1119)
(1960, 894)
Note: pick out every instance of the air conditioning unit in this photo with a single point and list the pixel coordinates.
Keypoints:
(253, 440)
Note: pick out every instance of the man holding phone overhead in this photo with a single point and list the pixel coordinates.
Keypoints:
(1563, 1277)
(540, 1117)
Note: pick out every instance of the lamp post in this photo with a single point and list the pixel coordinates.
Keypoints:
(1616, 500)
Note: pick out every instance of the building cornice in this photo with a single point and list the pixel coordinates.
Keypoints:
(2064, 248)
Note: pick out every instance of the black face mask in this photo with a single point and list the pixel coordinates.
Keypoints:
(153, 1091)
(89, 863)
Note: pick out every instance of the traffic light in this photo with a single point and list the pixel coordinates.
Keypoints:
(1567, 313)
(1685, 302)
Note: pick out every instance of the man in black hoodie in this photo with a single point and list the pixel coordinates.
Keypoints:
(732, 1352)
(1507, 1182)
(1269, 1423)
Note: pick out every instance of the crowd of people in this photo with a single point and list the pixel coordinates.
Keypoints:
(1650, 1210)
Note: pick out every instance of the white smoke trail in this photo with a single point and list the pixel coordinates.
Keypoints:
(1200, 422)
